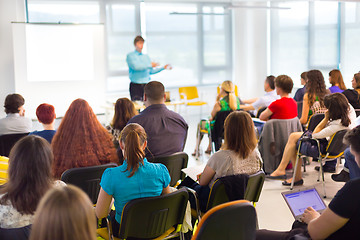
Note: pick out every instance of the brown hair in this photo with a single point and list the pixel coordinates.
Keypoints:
(352, 138)
(154, 91)
(271, 81)
(29, 172)
(239, 133)
(65, 213)
(304, 75)
(45, 113)
(124, 111)
(13, 102)
(336, 78)
(284, 82)
(357, 80)
(338, 107)
(229, 88)
(133, 136)
(138, 39)
(81, 140)
(315, 87)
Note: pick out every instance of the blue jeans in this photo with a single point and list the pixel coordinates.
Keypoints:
(351, 164)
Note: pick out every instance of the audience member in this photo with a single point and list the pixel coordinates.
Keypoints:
(353, 95)
(336, 81)
(136, 178)
(124, 111)
(339, 116)
(15, 120)
(285, 107)
(264, 101)
(299, 95)
(238, 155)
(64, 214)
(314, 97)
(166, 129)
(341, 218)
(81, 140)
(46, 116)
(29, 177)
(226, 100)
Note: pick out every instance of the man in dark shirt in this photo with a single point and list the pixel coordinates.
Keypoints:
(166, 130)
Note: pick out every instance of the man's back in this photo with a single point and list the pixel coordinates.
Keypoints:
(166, 130)
(14, 123)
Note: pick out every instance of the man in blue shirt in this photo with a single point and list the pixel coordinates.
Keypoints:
(140, 69)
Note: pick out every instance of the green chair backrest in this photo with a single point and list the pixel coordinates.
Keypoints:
(254, 186)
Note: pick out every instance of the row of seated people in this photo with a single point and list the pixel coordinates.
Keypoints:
(30, 172)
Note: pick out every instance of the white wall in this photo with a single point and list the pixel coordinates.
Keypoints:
(250, 50)
(10, 10)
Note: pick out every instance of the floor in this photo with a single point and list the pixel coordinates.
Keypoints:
(272, 210)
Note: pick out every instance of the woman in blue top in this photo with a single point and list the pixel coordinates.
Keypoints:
(135, 178)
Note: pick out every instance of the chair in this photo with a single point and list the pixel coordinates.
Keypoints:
(232, 221)
(252, 193)
(4, 164)
(334, 149)
(152, 217)
(273, 139)
(174, 163)
(314, 120)
(299, 108)
(190, 97)
(22, 233)
(87, 178)
(7, 141)
(217, 133)
(260, 110)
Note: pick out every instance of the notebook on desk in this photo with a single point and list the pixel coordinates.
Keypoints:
(299, 200)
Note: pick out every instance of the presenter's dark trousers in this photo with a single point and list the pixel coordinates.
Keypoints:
(136, 91)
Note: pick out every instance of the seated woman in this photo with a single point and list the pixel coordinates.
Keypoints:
(238, 155)
(340, 220)
(299, 95)
(337, 82)
(64, 213)
(226, 100)
(81, 140)
(124, 111)
(285, 107)
(29, 177)
(339, 116)
(45, 114)
(136, 178)
(353, 95)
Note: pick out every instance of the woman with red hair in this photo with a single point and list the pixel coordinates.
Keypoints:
(81, 140)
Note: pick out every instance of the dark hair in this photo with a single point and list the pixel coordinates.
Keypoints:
(284, 82)
(336, 78)
(13, 102)
(45, 113)
(352, 138)
(133, 137)
(357, 80)
(304, 75)
(239, 133)
(338, 107)
(271, 81)
(315, 87)
(124, 111)
(138, 39)
(154, 90)
(29, 172)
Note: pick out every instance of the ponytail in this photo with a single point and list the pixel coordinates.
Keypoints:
(232, 101)
(133, 137)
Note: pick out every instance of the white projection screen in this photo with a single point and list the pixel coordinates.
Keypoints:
(57, 63)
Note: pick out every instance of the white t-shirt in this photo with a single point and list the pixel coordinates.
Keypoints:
(14, 123)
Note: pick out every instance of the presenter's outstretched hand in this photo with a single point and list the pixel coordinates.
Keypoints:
(154, 64)
(168, 67)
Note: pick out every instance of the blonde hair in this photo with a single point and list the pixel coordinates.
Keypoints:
(133, 136)
(239, 134)
(229, 88)
(65, 213)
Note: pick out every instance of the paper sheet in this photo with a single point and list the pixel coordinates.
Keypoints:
(192, 172)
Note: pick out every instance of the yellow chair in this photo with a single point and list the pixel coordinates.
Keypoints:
(190, 95)
(236, 90)
(4, 163)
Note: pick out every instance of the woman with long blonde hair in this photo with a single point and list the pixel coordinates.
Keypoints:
(64, 213)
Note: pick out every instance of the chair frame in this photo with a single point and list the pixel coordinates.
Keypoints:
(322, 157)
